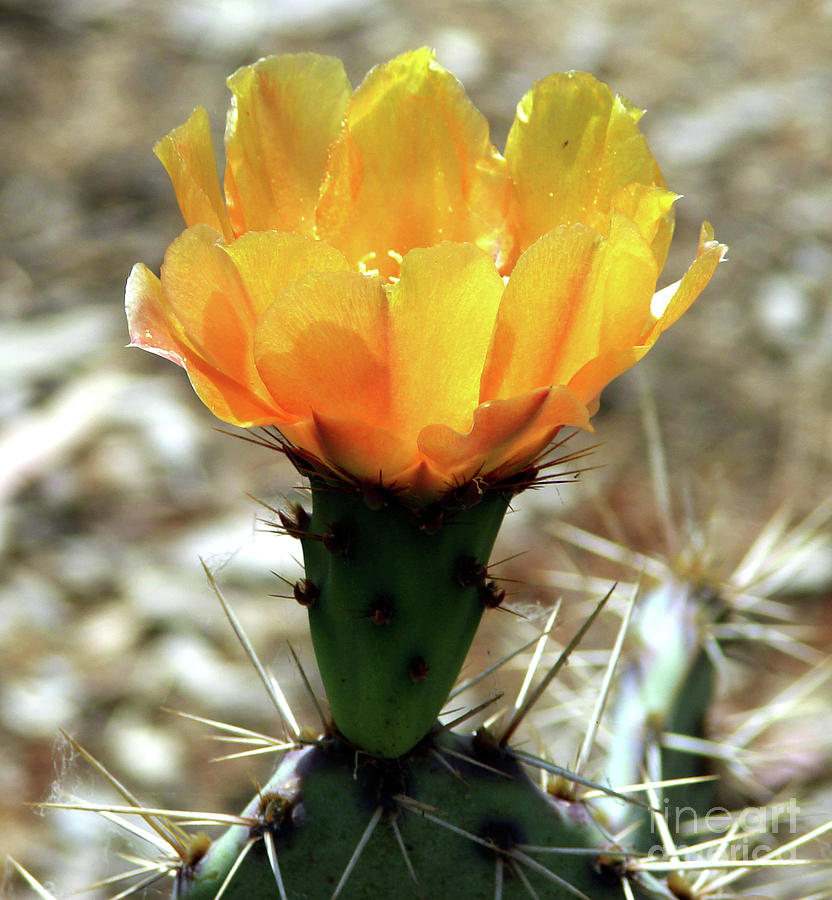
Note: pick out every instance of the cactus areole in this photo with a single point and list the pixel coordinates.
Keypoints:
(399, 593)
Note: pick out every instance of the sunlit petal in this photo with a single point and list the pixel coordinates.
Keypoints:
(402, 302)
(599, 372)
(187, 155)
(572, 295)
(358, 448)
(322, 347)
(651, 209)
(206, 302)
(146, 320)
(709, 254)
(572, 146)
(505, 434)
(152, 328)
(268, 261)
(286, 110)
(442, 314)
(413, 166)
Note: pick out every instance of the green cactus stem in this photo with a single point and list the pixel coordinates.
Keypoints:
(448, 820)
(394, 596)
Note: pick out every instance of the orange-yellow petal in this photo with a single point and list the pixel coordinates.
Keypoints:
(571, 296)
(188, 156)
(231, 400)
(401, 356)
(505, 435)
(152, 329)
(364, 450)
(267, 261)
(442, 314)
(322, 347)
(351, 293)
(413, 166)
(215, 291)
(666, 307)
(146, 320)
(213, 294)
(285, 112)
(650, 208)
(206, 301)
(600, 371)
(670, 303)
(572, 146)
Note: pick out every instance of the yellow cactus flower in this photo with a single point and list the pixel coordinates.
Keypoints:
(399, 299)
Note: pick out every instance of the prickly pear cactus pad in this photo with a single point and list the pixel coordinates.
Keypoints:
(323, 802)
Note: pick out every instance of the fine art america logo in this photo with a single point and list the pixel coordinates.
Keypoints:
(749, 835)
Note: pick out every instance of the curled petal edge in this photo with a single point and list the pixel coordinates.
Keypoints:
(146, 321)
(667, 306)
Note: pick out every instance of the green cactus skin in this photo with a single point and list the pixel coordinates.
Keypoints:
(395, 596)
(326, 795)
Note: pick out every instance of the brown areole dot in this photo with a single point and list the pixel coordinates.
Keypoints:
(469, 572)
(275, 812)
(431, 519)
(295, 520)
(470, 494)
(418, 668)
(502, 834)
(380, 609)
(338, 538)
(491, 595)
(374, 495)
(306, 593)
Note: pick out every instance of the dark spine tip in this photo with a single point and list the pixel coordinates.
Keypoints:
(519, 482)
(491, 595)
(469, 572)
(306, 463)
(306, 593)
(418, 669)
(338, 539)
(486, 745)
(380, 610)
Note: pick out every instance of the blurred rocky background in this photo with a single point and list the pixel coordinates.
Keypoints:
(114, 479)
